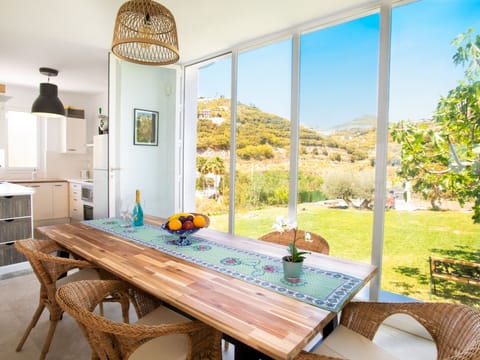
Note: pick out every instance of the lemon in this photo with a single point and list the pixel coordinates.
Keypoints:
(199, 221)
(174, 224)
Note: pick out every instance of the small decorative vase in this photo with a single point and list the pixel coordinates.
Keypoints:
(291, 270)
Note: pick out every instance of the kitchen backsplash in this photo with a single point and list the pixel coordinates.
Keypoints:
(67, 166)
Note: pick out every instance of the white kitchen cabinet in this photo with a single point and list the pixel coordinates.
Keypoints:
(74, 137)
(76, 203)
(42, 200)
(60, 200)
(50, 200)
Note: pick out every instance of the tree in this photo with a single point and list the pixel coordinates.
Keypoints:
(213, 167)
(349, 186)
(442, 157)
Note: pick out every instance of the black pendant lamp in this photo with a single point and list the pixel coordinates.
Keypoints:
(48, 104)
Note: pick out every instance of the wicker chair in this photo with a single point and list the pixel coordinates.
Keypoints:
(50, 271)
(162, 333)
(318, 243)
(454, 328)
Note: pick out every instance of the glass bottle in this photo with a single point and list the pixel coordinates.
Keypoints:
(137, 213)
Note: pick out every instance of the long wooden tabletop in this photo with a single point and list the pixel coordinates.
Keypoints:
(274, 324)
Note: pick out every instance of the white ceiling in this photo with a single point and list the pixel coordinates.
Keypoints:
(74, 36)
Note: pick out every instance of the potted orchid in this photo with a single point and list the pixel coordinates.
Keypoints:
(292, 264)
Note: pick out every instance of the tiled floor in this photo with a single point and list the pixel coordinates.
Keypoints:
(18, 296)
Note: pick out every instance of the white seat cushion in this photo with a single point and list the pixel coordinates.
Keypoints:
(347, 344)
(83, 274)
(169, 347)
(404, 344)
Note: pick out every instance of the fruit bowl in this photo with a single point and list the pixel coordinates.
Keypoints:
(184, 233)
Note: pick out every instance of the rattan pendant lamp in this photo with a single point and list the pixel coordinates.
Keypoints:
(145, 33)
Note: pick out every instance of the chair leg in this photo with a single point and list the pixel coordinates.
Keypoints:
(48, 340)
(101, 308)
(32, 324)
(125, 304)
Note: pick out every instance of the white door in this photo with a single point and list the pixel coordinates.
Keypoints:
(150, 168)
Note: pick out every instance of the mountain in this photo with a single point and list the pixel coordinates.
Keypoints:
(262, 135)
(363, 122)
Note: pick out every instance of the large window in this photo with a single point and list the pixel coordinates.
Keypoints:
(263, 137)
(338, 105)
(22, 140)
(341, 141)
(430, 107)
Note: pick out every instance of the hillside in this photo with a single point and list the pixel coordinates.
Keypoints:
(262, 135)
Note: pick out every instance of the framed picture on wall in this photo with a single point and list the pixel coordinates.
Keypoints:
(145, 127)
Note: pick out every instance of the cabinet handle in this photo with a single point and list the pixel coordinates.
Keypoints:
(34, 185)
(71, 149)
(58, 185)
(8, 197)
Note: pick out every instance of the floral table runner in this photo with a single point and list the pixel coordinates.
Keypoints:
(320, 287)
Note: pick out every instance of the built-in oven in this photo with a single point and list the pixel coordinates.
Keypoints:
(87, 192)
(87, 199)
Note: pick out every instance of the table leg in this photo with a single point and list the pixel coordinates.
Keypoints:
(327, 330)
(245, 352)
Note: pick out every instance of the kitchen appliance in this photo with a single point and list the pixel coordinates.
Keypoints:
(100, 176)
(87, 192)
(87, 212)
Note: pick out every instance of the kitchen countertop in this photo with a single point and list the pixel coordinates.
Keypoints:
(23, 181)
(81, 181)
(9, 189)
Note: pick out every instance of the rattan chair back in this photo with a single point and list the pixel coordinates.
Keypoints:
(318, 243)
(454, 328)
(111, 340)
(48, 268)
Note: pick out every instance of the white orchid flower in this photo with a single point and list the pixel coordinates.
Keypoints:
(277, 227)
(291, 225)
(308, 237)
(280, 224)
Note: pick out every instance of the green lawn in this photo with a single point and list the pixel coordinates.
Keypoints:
(410, 238)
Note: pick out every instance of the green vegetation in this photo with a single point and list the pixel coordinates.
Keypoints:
(442, 157)
(405, 262)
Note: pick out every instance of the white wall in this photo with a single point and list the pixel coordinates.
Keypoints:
(54, 163)
(148, 168)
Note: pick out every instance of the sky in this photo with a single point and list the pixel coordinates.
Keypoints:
(339, 65)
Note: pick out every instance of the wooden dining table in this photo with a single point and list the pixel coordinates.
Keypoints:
(266, 321)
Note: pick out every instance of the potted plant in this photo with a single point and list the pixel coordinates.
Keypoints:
(293, 263)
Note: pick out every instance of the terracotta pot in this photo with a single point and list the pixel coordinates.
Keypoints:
(291, 270)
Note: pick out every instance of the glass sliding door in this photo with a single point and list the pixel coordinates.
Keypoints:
(262, 137)
(338, 105)
(213, 141)
(432, 159)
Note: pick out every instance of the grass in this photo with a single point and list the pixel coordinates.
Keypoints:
(410, 237)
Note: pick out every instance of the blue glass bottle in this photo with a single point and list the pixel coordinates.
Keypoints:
(137, 213)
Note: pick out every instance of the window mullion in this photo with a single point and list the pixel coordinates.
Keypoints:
(295, 129)
(382, 147)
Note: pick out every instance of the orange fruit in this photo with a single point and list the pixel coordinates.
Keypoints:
(199, 221)
(175, 224)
